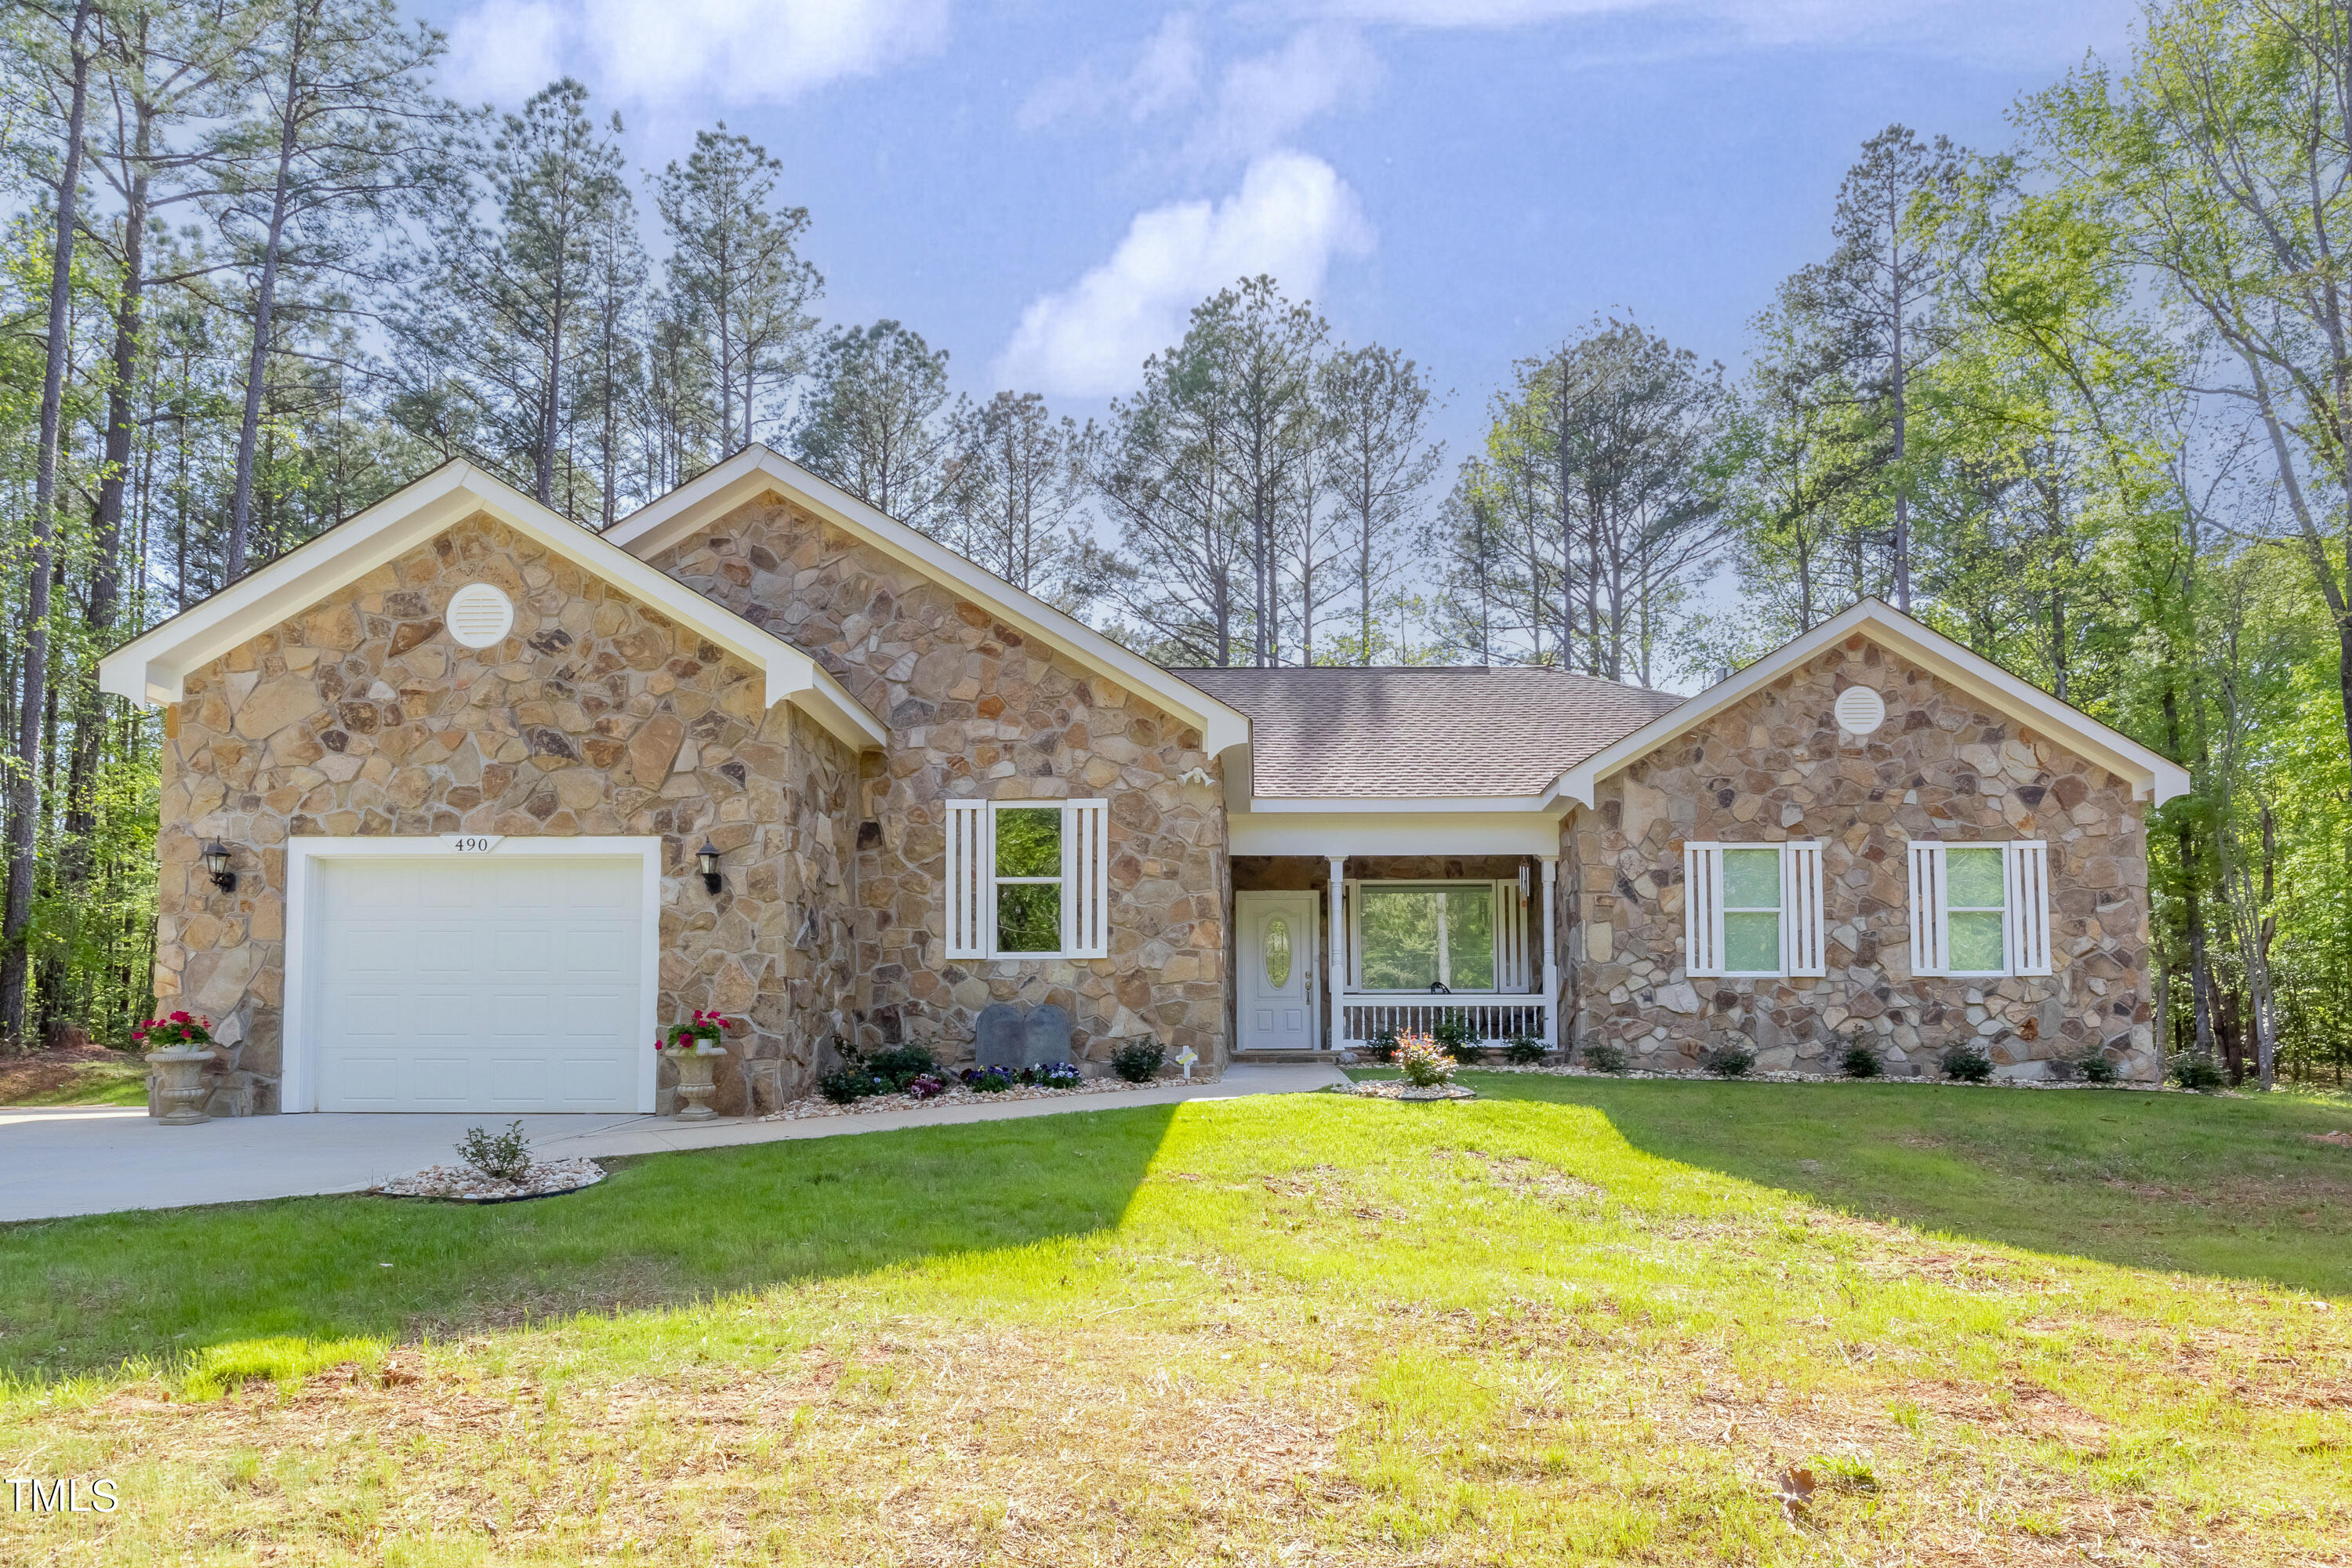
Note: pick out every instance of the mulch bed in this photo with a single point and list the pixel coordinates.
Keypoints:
(43, 1071)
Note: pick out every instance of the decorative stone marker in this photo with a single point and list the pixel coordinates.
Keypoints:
(1000, 1037)
(1046, 1036)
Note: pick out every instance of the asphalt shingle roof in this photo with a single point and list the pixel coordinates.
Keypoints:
(1426, 731)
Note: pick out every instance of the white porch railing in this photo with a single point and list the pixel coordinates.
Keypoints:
(1493, 1015)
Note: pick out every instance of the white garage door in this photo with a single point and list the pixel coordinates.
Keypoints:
(479, 983)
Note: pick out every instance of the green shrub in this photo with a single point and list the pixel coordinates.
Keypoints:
(1861, 1060)
(901, 1064)
(1139, 1061)
(1729, 1061)
(987, 1080)
(1605, 1058)
(1524, 1050)
(1966, 1064)
(848, 1082)
(2095, 1067)
(1381, 1047)
(2195, 1072)
(503, 1158)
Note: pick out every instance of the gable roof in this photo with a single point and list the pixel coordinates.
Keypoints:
(153, 667)
(1423, 732)
(756, 470)
(2152, 776)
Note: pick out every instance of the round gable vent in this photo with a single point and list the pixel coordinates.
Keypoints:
(479, 616)
(1860, 711)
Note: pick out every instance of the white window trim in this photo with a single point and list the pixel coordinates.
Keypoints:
(2025, 909)
(1512, 975)
(1801, 950)
(971, 880)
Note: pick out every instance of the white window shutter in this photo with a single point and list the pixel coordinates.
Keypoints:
(1086, 879)
(2028, 907)
(1928, 927)
(968, 883)
(1801, 909)
(1703, 909)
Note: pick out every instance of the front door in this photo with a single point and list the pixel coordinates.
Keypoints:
(1277, 1004)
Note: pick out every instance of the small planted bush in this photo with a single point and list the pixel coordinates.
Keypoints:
(848, 1083)
(1966, 1064)
(2197, 1072)
(1605, 1058)
(1729, 1061)
(2094, 1067)
(1455, 1036)
(1524, 1051)
(1423, 1062)
(987, 1080)
(1382, 1046)
(900, 1066)
(1861, 1060)
(1139, 1061)
(502, 1157)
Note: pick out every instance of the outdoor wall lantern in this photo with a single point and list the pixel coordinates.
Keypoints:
(217, 862)
(707, 859)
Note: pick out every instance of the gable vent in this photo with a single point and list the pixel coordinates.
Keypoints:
(479, 616)
(1860, 711)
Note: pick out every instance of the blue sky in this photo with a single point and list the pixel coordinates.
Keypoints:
(1046, 188)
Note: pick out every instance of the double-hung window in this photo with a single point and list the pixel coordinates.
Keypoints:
(1979, 909)
(1752, 909)
(1028, 879)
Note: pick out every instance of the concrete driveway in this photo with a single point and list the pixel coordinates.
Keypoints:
(70, 1160)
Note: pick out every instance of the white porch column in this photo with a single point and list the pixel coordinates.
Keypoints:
(1335, 974)
(1551, 950)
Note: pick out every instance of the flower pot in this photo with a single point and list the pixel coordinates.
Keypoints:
(694, 1082)
(180, 1086)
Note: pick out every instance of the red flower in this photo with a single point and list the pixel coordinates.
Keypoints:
(181, 1018)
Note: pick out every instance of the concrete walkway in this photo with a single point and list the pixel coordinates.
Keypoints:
(71, 1160)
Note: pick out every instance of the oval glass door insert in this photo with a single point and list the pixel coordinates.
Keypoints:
(1277, 953)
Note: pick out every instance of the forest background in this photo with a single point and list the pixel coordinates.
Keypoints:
(2081, 402)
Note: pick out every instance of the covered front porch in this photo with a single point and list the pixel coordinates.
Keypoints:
(1345, 938)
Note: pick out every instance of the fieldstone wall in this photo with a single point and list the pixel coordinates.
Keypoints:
(1777, 767)
(597, 716)
(975, 712)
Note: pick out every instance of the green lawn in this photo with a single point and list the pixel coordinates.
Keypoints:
(1576, 1320)
(45, 1080)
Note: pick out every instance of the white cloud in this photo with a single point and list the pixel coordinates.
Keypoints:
(1165, 74)
(506, 51)
(1291, 215)
(1263, 100)
(678, 51)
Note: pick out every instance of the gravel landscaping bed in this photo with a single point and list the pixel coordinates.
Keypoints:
(1397, 1089)
(1758, 1075)
(464, 1184)
(803, 1109)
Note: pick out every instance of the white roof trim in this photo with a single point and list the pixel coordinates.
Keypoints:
(153, 667)
(2153, 776)
(756, 470)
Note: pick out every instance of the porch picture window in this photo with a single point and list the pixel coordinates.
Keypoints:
(1411, 936)
(1979, 909)
(1027, 879)
(1752, 909)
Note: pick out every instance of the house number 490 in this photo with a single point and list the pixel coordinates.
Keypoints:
(472, 843)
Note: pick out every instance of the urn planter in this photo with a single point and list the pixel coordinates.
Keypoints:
(180, 1086)
(694, 1082)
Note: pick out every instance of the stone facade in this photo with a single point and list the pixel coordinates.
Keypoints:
(1775, 767)
(976, 710)
(595, 716)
